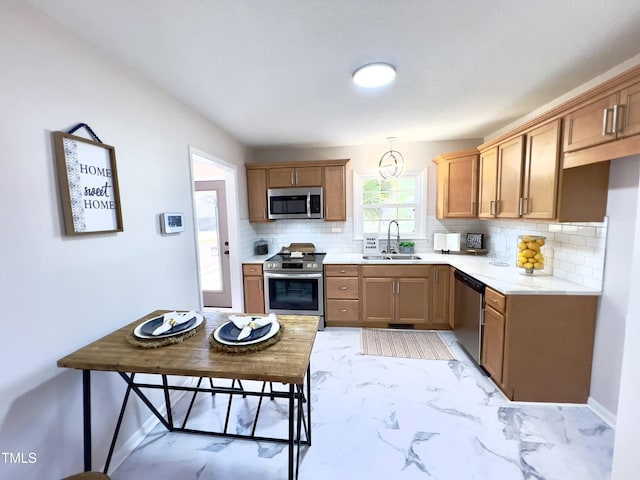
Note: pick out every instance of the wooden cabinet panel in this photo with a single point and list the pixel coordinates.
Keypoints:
(457, 184)
(584, 127)
(495, 300)
(493, 343)
(257, 192)
(252, 269)
(541, 171)
(346, 311)
(341, 270)
(283, 177)
(629, 117)
(412, 300)
(335, 199)
(440, 296)
(509, 189)
(253, 294)
(378, 300)
(339, 287)
(487, 183)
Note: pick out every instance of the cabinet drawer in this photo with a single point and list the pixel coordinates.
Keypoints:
(342, 310)
(341, 270)
(338, 287)
(251, 269)
(496, 300)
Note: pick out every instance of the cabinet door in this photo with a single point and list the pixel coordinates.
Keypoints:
(487, 182)
(541, 170)
(257, 189)
(412, 300)
(281, 177)
(308, 176)
(461, 187)
(493, 343)
(510, 178)
(629, 116)
(378, 300)
(584, 127)
(440, 297)
(253, 294)
(335, 202)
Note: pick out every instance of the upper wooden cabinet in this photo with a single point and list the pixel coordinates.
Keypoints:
(329, 174)
(457, 185)
(257, 194)
(501, 179)
(604, 119)
(283, 177)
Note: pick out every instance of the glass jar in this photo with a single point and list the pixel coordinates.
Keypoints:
(530, 254)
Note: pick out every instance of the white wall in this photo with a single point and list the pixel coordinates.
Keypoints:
(626, 461)
(60, 293)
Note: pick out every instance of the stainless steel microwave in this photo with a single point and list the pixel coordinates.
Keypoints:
(294, 203)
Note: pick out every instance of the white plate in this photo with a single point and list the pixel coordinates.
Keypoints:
(275, 327)
(138, 330)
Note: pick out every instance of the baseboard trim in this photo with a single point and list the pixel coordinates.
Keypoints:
(121, 453)
(597, 408)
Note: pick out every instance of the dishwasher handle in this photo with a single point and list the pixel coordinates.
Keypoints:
(469, 281)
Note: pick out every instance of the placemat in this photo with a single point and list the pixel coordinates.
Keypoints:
(163, 342)
(256, 347)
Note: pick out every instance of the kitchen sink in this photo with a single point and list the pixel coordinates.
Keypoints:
(392, 256)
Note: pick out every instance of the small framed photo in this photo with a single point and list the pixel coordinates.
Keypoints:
(88, 185)
(172, 222)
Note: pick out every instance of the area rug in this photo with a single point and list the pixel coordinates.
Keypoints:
(418, 344)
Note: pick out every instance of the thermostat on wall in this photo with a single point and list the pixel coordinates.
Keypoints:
(172, 222)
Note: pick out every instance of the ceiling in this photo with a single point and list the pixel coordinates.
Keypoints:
(278, 72)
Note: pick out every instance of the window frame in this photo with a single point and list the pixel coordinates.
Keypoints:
(359, 178)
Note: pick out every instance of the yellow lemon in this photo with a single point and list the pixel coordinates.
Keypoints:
(533, 246)
(541, 241)
(539, 257)
(528, 265)
(520, 263)
(528, 253)
(521, 246)
(538, 266)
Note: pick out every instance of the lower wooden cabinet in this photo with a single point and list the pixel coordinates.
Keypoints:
(342, 295)
(441, 297)
(253, 283)
(393, 294)
(539, 348)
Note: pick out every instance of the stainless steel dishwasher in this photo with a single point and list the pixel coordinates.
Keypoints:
(468, 313)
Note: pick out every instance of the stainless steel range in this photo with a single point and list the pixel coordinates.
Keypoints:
(293, 284)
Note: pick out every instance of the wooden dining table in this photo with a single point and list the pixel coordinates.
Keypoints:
(285, 362)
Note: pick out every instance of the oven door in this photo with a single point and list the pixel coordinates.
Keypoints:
(294, 293)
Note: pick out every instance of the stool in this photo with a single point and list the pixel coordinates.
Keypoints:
(88, 476)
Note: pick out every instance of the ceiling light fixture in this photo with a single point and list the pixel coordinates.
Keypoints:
(391, 163)
(374, 75)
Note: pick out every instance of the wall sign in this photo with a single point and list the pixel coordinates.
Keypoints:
(88, 185)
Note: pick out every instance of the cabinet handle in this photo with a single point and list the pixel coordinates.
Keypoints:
(492, 208)
(342, 271)
(296, 176)
(342, 288)
(437, 276)
(260, 283)
(264, 213)
(605, 122)
(343, 310)
(521, 210)
(473, 208)
(615, 119)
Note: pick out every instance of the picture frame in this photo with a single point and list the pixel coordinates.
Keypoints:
(172, 222)
(88, 181)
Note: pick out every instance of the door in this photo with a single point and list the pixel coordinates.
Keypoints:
(510, 178)
(488, 182)
(461, 190)
(493, 343)
(213, 242)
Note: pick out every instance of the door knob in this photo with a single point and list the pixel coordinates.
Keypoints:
(226, 252)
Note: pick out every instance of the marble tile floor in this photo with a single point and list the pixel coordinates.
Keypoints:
(387, 418)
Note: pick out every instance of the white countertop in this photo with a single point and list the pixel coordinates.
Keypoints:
(507, 280)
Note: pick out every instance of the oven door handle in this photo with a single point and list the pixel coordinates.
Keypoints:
(293, 276)
(309, 204)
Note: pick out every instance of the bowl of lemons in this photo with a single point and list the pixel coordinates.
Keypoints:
(530, 255)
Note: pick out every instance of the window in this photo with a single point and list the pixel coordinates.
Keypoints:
(379, 201)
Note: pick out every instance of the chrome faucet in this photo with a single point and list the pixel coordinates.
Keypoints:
(389, 236)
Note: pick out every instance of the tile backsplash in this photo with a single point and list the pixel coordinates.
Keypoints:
(574, 251)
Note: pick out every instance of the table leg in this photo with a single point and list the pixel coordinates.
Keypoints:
(292, 394)
(86, 416)
(309, 404)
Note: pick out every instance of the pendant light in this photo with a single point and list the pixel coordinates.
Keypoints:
(391, 163)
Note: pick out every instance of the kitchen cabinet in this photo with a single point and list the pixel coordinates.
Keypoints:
(441, 297)
(329, 174)
(335, 199)
(257, 194)
(283, 177)
(393, 294)
(607, 118)
(253, 283)
(457, 184)
(502, 176)
(539, 348)
(342, 295)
